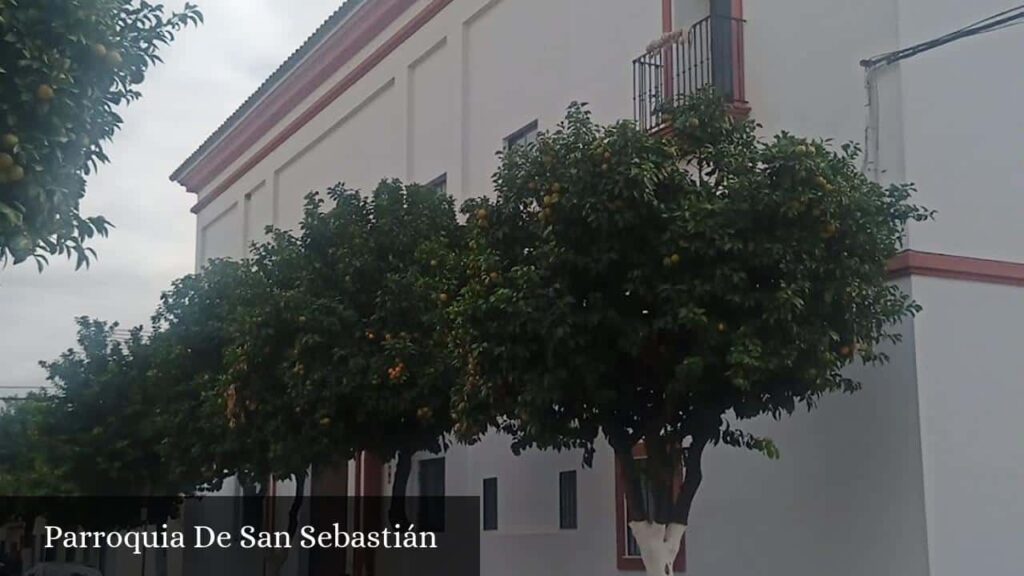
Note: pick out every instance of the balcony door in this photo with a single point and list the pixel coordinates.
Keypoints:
(715, 34)
(686, 13)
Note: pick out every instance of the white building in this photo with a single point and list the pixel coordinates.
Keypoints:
(919, 474)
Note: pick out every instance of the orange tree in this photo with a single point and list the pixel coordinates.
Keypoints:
(640, 288)
(193, 328)
(86, 453)
(347, 350)
(65, 67)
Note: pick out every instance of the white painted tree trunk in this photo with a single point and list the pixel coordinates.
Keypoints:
(659, 545)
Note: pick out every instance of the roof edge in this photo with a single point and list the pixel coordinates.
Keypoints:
(333, 24)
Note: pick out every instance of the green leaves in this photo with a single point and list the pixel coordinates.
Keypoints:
(65, 67)
(640, 288)
(651, 285)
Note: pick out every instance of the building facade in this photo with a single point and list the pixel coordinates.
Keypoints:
(919, 474)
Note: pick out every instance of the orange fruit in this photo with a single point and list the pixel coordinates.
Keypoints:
(45, 92)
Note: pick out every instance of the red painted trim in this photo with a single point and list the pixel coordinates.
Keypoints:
(369, 474)
(738, 53)
(361, 70)
(632, 563)
(335, 51)
(357, 513)
(931, 264)
(667, 25)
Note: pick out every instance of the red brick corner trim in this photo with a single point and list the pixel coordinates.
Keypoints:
(935, 265)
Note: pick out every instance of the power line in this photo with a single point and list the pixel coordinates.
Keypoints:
(998, 21)
(1005, 19)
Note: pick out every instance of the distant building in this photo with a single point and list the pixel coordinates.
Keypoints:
(920, 474)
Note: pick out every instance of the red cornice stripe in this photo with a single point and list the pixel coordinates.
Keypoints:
(363, 68)
(337, 50)
(916, 263)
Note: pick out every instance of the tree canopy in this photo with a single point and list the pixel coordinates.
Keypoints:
(654, 289)
(65, 69)
(91, 436)
(347, 348)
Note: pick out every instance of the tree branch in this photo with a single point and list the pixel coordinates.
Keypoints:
(296, 507)
(694, 475)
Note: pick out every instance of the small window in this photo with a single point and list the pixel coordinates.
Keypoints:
(490, 503)
(440, 184)
(432, 491)
(567, 515)
(522, 137)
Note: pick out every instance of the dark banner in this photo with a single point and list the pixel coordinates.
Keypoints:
(243, 536)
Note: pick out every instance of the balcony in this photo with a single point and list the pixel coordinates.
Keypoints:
(709, 53)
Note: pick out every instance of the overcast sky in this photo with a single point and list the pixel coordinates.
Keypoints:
(208, 72)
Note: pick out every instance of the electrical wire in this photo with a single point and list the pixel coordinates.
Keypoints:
(999, 21)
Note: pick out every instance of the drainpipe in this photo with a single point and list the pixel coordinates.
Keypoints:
(872, 143)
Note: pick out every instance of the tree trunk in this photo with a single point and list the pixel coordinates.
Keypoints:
(658, 523)
(659, 545)
(397, 515)
(275, 560)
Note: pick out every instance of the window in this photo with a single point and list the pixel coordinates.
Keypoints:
(431, 485)
(440, 184)
(567, 500)
(490, 503)
(522, 137)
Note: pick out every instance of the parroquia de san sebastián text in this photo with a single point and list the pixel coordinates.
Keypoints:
(247, 538)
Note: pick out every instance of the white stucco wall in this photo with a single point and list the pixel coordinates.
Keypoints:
(971, 385)
(962, 136)
(901, 478)
(964, 130)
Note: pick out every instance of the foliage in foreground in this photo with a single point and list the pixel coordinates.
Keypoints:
(65, 68)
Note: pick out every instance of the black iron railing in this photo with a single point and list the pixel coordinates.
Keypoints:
(710, 53)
